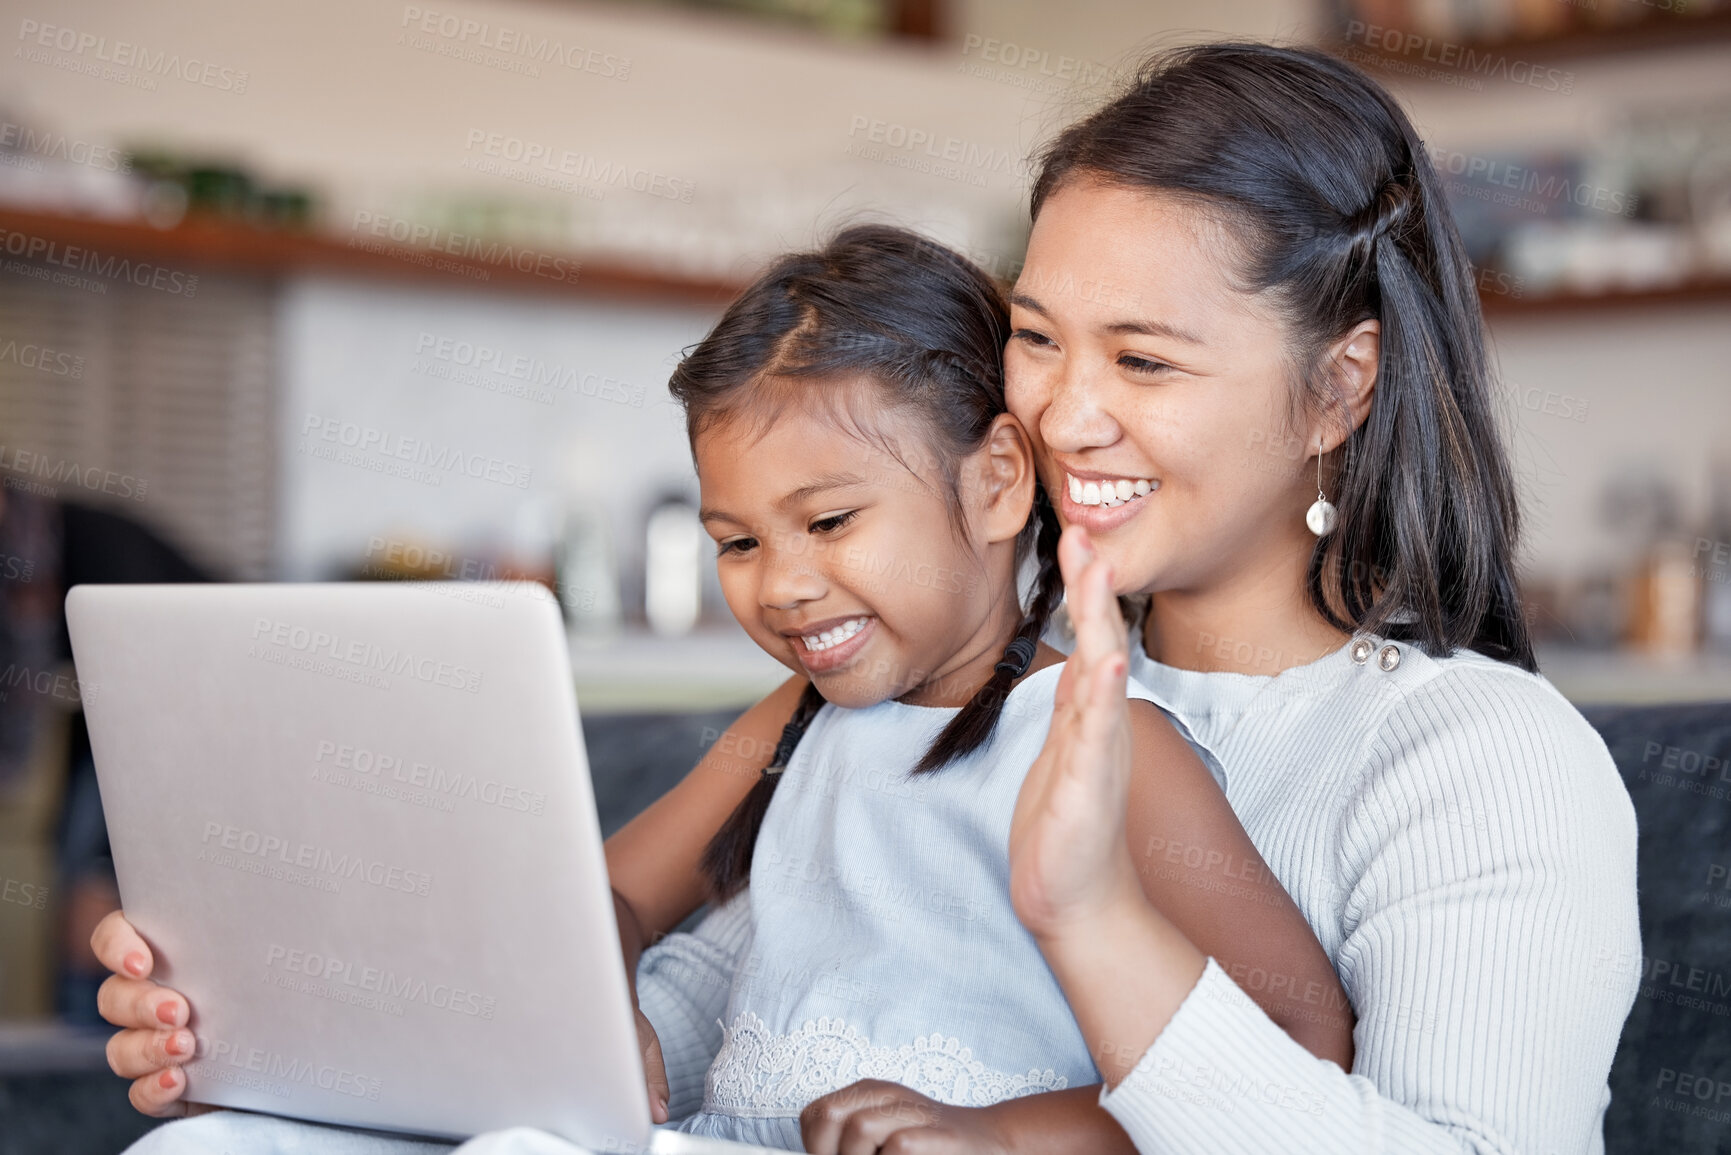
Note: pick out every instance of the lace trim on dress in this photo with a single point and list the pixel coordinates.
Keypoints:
(759, 1074)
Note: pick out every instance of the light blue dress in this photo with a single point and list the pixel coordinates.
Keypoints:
(883, 941)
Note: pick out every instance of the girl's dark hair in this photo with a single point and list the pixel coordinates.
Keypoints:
(927, 329)
(1335, 212)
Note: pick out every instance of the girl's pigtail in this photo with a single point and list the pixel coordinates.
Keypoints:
(978, 720)
(727, 859)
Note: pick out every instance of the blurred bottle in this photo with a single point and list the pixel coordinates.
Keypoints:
(588, 576)
(1712, 559)
(1641, 505)
(673, 569)
(1667, 612)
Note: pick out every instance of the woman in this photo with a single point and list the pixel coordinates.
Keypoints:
(1243, 287)
(1242, 278)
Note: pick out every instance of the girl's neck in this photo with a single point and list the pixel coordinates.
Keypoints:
(1258, 623)
(973, 663)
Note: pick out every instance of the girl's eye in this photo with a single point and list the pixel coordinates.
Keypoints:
(1029, 337)
(734, 545)
(833, 522)
(1142, 365)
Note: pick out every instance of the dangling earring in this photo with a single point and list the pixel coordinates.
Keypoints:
(1321, 515)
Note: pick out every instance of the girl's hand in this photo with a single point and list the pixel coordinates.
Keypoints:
(873, 1116)
(153, 1041)
(1069, 861)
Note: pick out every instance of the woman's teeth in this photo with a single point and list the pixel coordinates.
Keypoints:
(835, 637)
(1109, 493)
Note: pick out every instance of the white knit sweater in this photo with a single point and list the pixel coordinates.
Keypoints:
(1459, 839)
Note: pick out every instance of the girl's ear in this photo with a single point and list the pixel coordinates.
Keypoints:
(1351, 364)
(1006, 480)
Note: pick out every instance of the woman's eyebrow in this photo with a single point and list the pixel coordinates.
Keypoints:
(1152, 329)
(1138, 328)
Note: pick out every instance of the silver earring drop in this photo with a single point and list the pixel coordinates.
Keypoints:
(1321, 515)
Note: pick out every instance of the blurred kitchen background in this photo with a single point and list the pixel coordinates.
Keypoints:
(375, 290)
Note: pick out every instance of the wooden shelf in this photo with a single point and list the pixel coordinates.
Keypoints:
(1658, 29)
(1710, 291)
(216, 243)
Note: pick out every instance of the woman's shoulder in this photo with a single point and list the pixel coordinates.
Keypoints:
(1475, 698)
(1492, 739)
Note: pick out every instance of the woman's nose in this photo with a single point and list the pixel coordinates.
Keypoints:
(1076, 416)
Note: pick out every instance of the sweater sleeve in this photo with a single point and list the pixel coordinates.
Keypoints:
(683, 984)
(1491, 951)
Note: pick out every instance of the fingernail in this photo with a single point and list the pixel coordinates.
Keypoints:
(134, 963)
(166, 1080)
(176, 1044)
(165, 1011)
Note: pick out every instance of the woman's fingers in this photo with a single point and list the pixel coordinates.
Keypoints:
(1075, 554)
(858, 1118)
(1088, 594)
(120, 948)
(1100, 644)
(1075, 550)
(1102, 712)
(134, 1054)
(154, 1040)
(140, 1004)
(1099, 625)
(159, 1094)
(654, 1068)
(1071, 806)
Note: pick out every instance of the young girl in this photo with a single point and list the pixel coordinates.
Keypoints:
(872, 505)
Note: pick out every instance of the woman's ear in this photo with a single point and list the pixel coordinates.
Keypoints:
(1005, 477)
(1351, 364)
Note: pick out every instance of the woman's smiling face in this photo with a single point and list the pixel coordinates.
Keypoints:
(1157, 394)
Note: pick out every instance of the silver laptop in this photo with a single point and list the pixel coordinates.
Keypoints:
(355, 823)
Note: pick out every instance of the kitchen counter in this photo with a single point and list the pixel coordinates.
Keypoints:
(712, 668)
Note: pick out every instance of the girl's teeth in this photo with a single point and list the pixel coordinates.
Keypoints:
(1110, 493)
(833, 637)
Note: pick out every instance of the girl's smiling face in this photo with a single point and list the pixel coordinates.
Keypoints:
(1134, 360)
(840, 553)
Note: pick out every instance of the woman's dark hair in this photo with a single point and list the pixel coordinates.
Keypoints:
(926, 329)
(1335, 212)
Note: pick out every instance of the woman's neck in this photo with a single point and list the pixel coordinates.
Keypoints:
(1260, 623)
